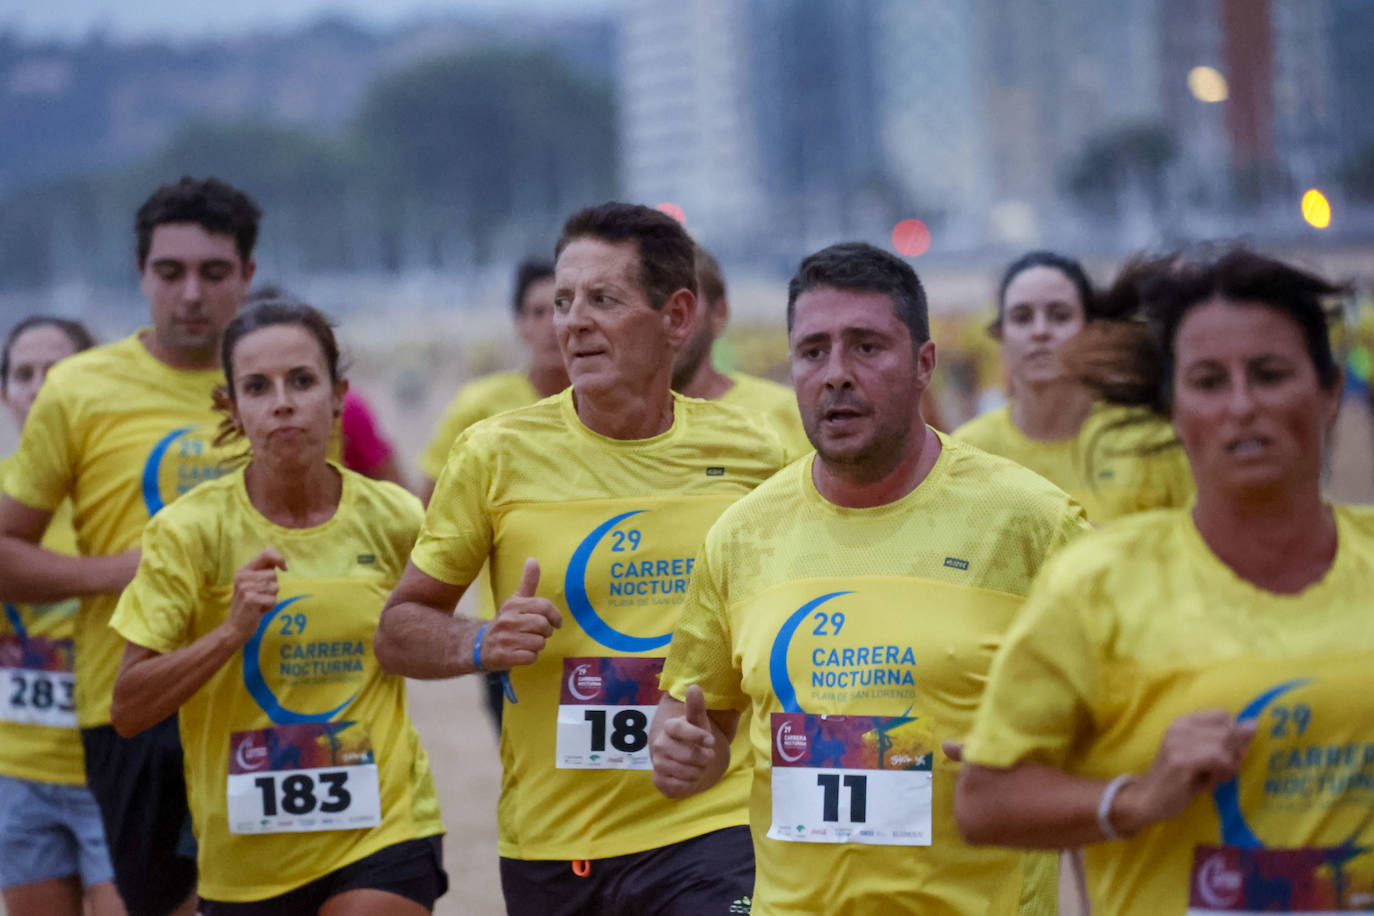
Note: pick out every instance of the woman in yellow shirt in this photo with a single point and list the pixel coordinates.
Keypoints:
(52, 844)
(253, 613)
(1186, 693)
(1114, 461)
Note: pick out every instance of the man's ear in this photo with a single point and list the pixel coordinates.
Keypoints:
(679, 316)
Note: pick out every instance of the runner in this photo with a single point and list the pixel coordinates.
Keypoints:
(123, 430)
(1113, 460)
(847, 611)
(1186, 693)
(589, 506)
(254, 609)
(502, 391)
(52, 848)
(696, 376)
(497, 393)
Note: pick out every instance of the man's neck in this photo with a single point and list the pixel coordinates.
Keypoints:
(707, 383)
(624, 414)
(179, 359)
(854, 489)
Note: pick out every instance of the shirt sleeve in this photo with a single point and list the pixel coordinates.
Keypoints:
(1073, 521)
(40, 474)
(1038, 701)
(457, 535)
(701, 652)
(155, 610)
(455, 419)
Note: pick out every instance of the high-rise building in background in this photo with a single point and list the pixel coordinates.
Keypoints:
(1004, 122)
(688, 131)
(1351, 36)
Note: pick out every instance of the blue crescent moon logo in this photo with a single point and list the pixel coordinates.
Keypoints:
(257, 684)
(777, 658)
(152, 470)
(1234, 830)
(575, 588)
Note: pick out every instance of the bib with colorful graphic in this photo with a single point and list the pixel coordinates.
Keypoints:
(299, 778)
(851, 779)
(605, 712)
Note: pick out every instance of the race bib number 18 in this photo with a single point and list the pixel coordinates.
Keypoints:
(39, 687)
(298, 778)
(851, 779)
(605, 709)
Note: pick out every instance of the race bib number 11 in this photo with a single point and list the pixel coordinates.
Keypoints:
(298, 778)
(851, 779)
(605, 709)
(39, 687)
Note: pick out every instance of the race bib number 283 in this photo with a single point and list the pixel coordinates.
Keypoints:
(298, 778)
(851, 779)
(39, 687)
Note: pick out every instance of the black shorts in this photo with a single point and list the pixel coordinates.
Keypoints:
(140, 787)
(496, 698)
(414, 869)
(712, 873)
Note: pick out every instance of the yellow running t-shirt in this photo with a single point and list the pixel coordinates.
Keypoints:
(1141, 623)
(477, 400)
(615, 525)
(120, 434)
(38, 736)
(858, 640)
(775, 403)
(300, 754)
(1113, 470)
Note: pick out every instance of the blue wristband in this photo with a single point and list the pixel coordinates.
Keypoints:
(477, 649)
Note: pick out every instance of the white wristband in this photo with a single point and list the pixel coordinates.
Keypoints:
(1104, 805)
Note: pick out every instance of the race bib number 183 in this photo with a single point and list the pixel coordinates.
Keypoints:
(605, 708)
(851, 779)
(298, 778)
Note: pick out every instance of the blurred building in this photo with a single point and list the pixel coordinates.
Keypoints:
(688, 131)
(1001, 122)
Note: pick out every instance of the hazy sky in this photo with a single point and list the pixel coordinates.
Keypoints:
(187, 18)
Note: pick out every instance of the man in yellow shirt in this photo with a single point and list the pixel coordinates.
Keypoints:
(122, 430)
(589, 507)
(695, 375)
(847, 612)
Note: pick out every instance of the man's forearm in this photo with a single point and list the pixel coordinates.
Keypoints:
(418, 641)
(32, 574)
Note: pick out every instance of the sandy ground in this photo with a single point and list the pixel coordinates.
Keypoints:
(462, 749)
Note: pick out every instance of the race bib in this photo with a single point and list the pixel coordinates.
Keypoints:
(605, 709)
(1231, 879)
(851, 779)
(300, 778)
(39, 687)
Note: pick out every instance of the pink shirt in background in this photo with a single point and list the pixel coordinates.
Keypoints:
(364, 448)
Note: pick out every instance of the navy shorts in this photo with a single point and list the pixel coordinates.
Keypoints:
(140, 787)
(712, 873)
(413, 869)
